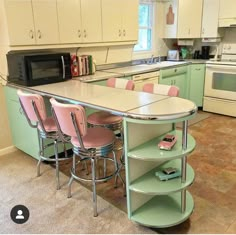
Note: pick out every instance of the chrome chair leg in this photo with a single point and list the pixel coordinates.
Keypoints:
(93, 164)
(41, 153)
(69, 187)
(38, 166)
(57, 164)
(104, 167)
(73, 163)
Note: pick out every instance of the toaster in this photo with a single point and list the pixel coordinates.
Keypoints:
(173, 55)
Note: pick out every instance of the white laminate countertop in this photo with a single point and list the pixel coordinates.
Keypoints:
(133, 70)
(145, 68)
(97, 76)
(134, 104)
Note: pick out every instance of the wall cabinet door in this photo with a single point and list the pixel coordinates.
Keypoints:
(227, 9)
(196, 85)
(130, 11)
(120, 20)
(69, 21)
(45, 21)
(210, 18)
(79, 21)
(170, 19)
(189, 18)
(32, 22)
(20, 22)
(91, 20)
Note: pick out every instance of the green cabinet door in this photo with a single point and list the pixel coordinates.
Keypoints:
(177, 76)
(196, 84)
(24, 137)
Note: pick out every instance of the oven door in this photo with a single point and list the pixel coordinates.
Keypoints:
(220, 81)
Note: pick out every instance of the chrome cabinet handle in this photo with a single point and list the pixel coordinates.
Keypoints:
(31, 34)
(39, 34)
(120, 33)
(63, 67)
(124, 33)
(85, 33)
(79, 34)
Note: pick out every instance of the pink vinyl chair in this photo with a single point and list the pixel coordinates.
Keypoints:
(161, 89)
(34, 110)
(90, 144)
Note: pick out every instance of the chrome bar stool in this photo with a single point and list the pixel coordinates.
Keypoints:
(34, 110)
(89, 144)
(109, 120)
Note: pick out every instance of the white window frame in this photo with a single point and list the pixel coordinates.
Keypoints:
(149, 53)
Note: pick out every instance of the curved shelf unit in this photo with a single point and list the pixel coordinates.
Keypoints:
(150, 184)
(163, 211)
(150, 152)
(150, 201)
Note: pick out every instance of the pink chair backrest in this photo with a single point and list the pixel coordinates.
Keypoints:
(161, 89)
(63, 114)
(26, 100)
(120, 83)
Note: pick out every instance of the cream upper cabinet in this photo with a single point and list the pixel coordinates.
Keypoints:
(227, 9)
(170, 19)
(189, 18)
(210, 19)
(79, 21)
(19, 19)
(120, 20)
(31, 22)
(45, 21)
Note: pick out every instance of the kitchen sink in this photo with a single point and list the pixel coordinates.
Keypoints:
(164, 64)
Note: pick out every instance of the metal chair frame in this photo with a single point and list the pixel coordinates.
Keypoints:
(91, 154)
(42, 135)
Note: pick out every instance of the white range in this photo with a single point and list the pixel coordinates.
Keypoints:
(220, 83)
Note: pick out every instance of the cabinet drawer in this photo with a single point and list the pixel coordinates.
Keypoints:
(197, 68)
(174, 71)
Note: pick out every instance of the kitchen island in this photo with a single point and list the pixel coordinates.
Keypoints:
(147, 117)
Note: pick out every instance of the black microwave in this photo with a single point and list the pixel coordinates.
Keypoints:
(29, 69)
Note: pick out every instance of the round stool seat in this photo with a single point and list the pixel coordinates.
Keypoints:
(103, 118)
(95, 138)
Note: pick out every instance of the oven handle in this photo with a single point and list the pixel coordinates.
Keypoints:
(221, 66)
(63, 67)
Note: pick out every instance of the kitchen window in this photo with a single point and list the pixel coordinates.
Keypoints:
(145, 27)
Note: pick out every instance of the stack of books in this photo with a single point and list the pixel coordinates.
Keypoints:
(82, 65)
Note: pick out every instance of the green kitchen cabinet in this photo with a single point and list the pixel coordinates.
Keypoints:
(196, 83)
(25, 137)
(177, 76)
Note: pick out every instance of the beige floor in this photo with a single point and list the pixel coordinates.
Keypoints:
(50, 210)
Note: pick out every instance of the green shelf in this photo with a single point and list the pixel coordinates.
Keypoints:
(163, 211)
(150, 152)
(150, 184)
